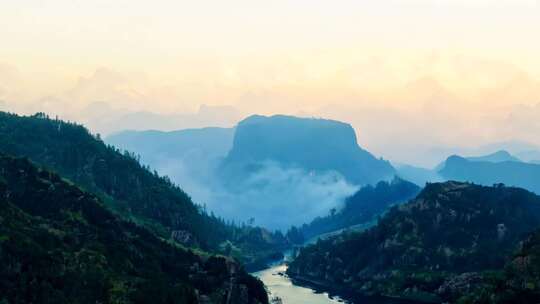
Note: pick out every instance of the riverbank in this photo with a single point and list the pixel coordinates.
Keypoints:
(304, 290)
(347, 295)
(279, 285)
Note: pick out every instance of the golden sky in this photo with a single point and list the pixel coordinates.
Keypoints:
(472, 66)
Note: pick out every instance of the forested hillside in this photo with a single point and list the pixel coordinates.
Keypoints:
(59, 244)
(453, 235)
(362, 207)
(124, 185)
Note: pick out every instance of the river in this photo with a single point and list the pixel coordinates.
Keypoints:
(282, 287)
(279, 285)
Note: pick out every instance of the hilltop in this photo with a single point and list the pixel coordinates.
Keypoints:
(308, 143)
(450, 233)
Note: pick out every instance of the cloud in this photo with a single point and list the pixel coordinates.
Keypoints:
(102, 118)
(276, 197)
(402, 107)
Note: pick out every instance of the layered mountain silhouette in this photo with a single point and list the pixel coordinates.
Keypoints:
(312, 144)
(512, 173)
(127, 188)
(498, 167)
(297, 166)
(496, 157)
(156, 147)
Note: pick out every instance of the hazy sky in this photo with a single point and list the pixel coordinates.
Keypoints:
(409, 75)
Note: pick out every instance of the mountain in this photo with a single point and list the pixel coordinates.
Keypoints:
(60, 244)
(452, 241)
(103, 118)
(362, 207)
(316, 145)
(496, 157)
(214, 141)
(520, 174)
(418, 175)
(158, 149)
(125, 186)
(522, 150)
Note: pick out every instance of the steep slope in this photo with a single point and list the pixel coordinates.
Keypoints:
(452, 232)
(363, 206)
(124, 185)
(311, 144)
(119, 179)
(59, 244)
(519, 174)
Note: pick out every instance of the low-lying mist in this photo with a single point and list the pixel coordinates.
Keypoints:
(273, 197)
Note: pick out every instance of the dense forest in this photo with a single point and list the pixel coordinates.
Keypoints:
(451, 243)
(130, 189)
(60, 244)
(360, 208)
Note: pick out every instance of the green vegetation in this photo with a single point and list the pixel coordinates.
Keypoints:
(360, 208)
(131, 190)
(60, 244)
(451, 243)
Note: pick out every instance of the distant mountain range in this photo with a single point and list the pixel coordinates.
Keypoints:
(297, 166)
(317, 145)
(497, 167)
(496, 157)
(455, 243)
(102, 118)
(512, 173)
(195, 145)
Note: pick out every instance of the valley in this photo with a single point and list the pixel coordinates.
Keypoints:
(392, 241)
(270, 152)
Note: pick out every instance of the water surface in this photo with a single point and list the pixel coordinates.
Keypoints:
(282, 287)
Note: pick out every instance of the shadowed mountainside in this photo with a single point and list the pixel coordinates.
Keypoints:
(443, 245)
(512, 173)
(129, 189)
(311, 144)
(155, 146)
(362, 207)
(59, 244)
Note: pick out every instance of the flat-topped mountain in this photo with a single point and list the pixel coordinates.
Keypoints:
(452, 232)
(308, 143)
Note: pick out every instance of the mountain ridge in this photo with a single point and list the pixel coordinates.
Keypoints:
(309, 143)
(419, 248)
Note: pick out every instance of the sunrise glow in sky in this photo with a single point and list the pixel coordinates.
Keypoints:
(447, 72)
